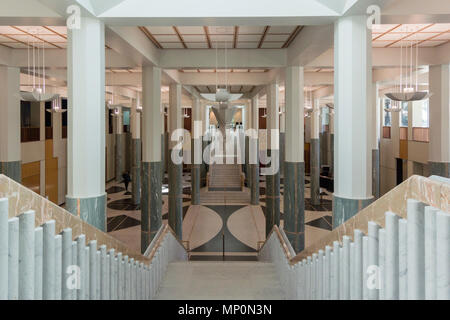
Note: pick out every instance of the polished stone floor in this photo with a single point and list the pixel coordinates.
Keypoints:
(214, 231)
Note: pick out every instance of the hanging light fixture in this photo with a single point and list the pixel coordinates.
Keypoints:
(408, 87)
(35, 64)
(56, 105)
(185, 113)
(222, 95)
(265, 113)
(394, 106)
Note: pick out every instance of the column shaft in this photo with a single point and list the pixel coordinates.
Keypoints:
(273, 175)
(151, 199)
(315, 153)
(120, 146)
(439, 146)
(86, 196)
(294, 166)
(196, 151)
(175, 167)
(254, 165)
(136, 156)
(10, 149)
(353, 78)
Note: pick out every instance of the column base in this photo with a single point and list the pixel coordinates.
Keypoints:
(12, 169)
(92, 210)
(441, 169)
(151, 208)
(315, 171)
(294, 204)
(344, 209)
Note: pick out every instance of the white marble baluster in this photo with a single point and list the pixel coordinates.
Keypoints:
(352, 280)
(416, 250)
(87, 270)
(93, 275)
(319, 275)
(112, 276)
(81, 260)
(391, 263)
(430, 252)
(66, 249)
(443, 256)
(103, 273)
(120, 278)
(373, 267)
(335, 272)
(48, 255)
(365, 265)
(38, 262)
(358, 264)
(58, 267)
(75, 280)
(402, 259)
(381, 262)
(327, 274)
(13, 259)
(26, 255)
(3, 248)
(345, 268)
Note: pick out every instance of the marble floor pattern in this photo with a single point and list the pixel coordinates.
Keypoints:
(211, 229)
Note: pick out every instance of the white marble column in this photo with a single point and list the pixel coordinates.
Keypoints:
(175, 168)
(86, 196)
(439, 146)
(294, 164)
(119, 151)
(272, 171)
(151, 198)
(352, 80)
(10, 150)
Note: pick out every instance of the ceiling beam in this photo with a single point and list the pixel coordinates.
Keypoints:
(150, 37)
(180, 37)
(208, 39)
(263, 36)
(292, 36)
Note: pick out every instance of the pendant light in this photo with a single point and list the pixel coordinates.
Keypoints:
(408, 87)
(56, 105)
(36, 64)
(222, 95)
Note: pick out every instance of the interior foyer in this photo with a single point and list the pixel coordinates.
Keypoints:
(319, 160)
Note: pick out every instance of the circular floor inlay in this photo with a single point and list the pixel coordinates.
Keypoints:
(115, 189)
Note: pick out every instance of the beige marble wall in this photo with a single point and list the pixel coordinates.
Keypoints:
(22, 199)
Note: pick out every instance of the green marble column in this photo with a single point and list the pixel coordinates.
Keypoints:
(195, 175)
(92, 210)
(294, 204)
(136, 171)
(441, 169)
(12, 169)
(315, 171)
(175, 197)
(120, 156)
(151, 208)
(204, 166)
(344, 209)
(272, 195)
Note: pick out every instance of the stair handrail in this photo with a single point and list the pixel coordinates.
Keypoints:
(427, 190)
(46, 210)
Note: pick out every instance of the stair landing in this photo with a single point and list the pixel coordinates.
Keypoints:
(224, 280)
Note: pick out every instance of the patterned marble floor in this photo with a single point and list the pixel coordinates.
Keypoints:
(213, 229)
